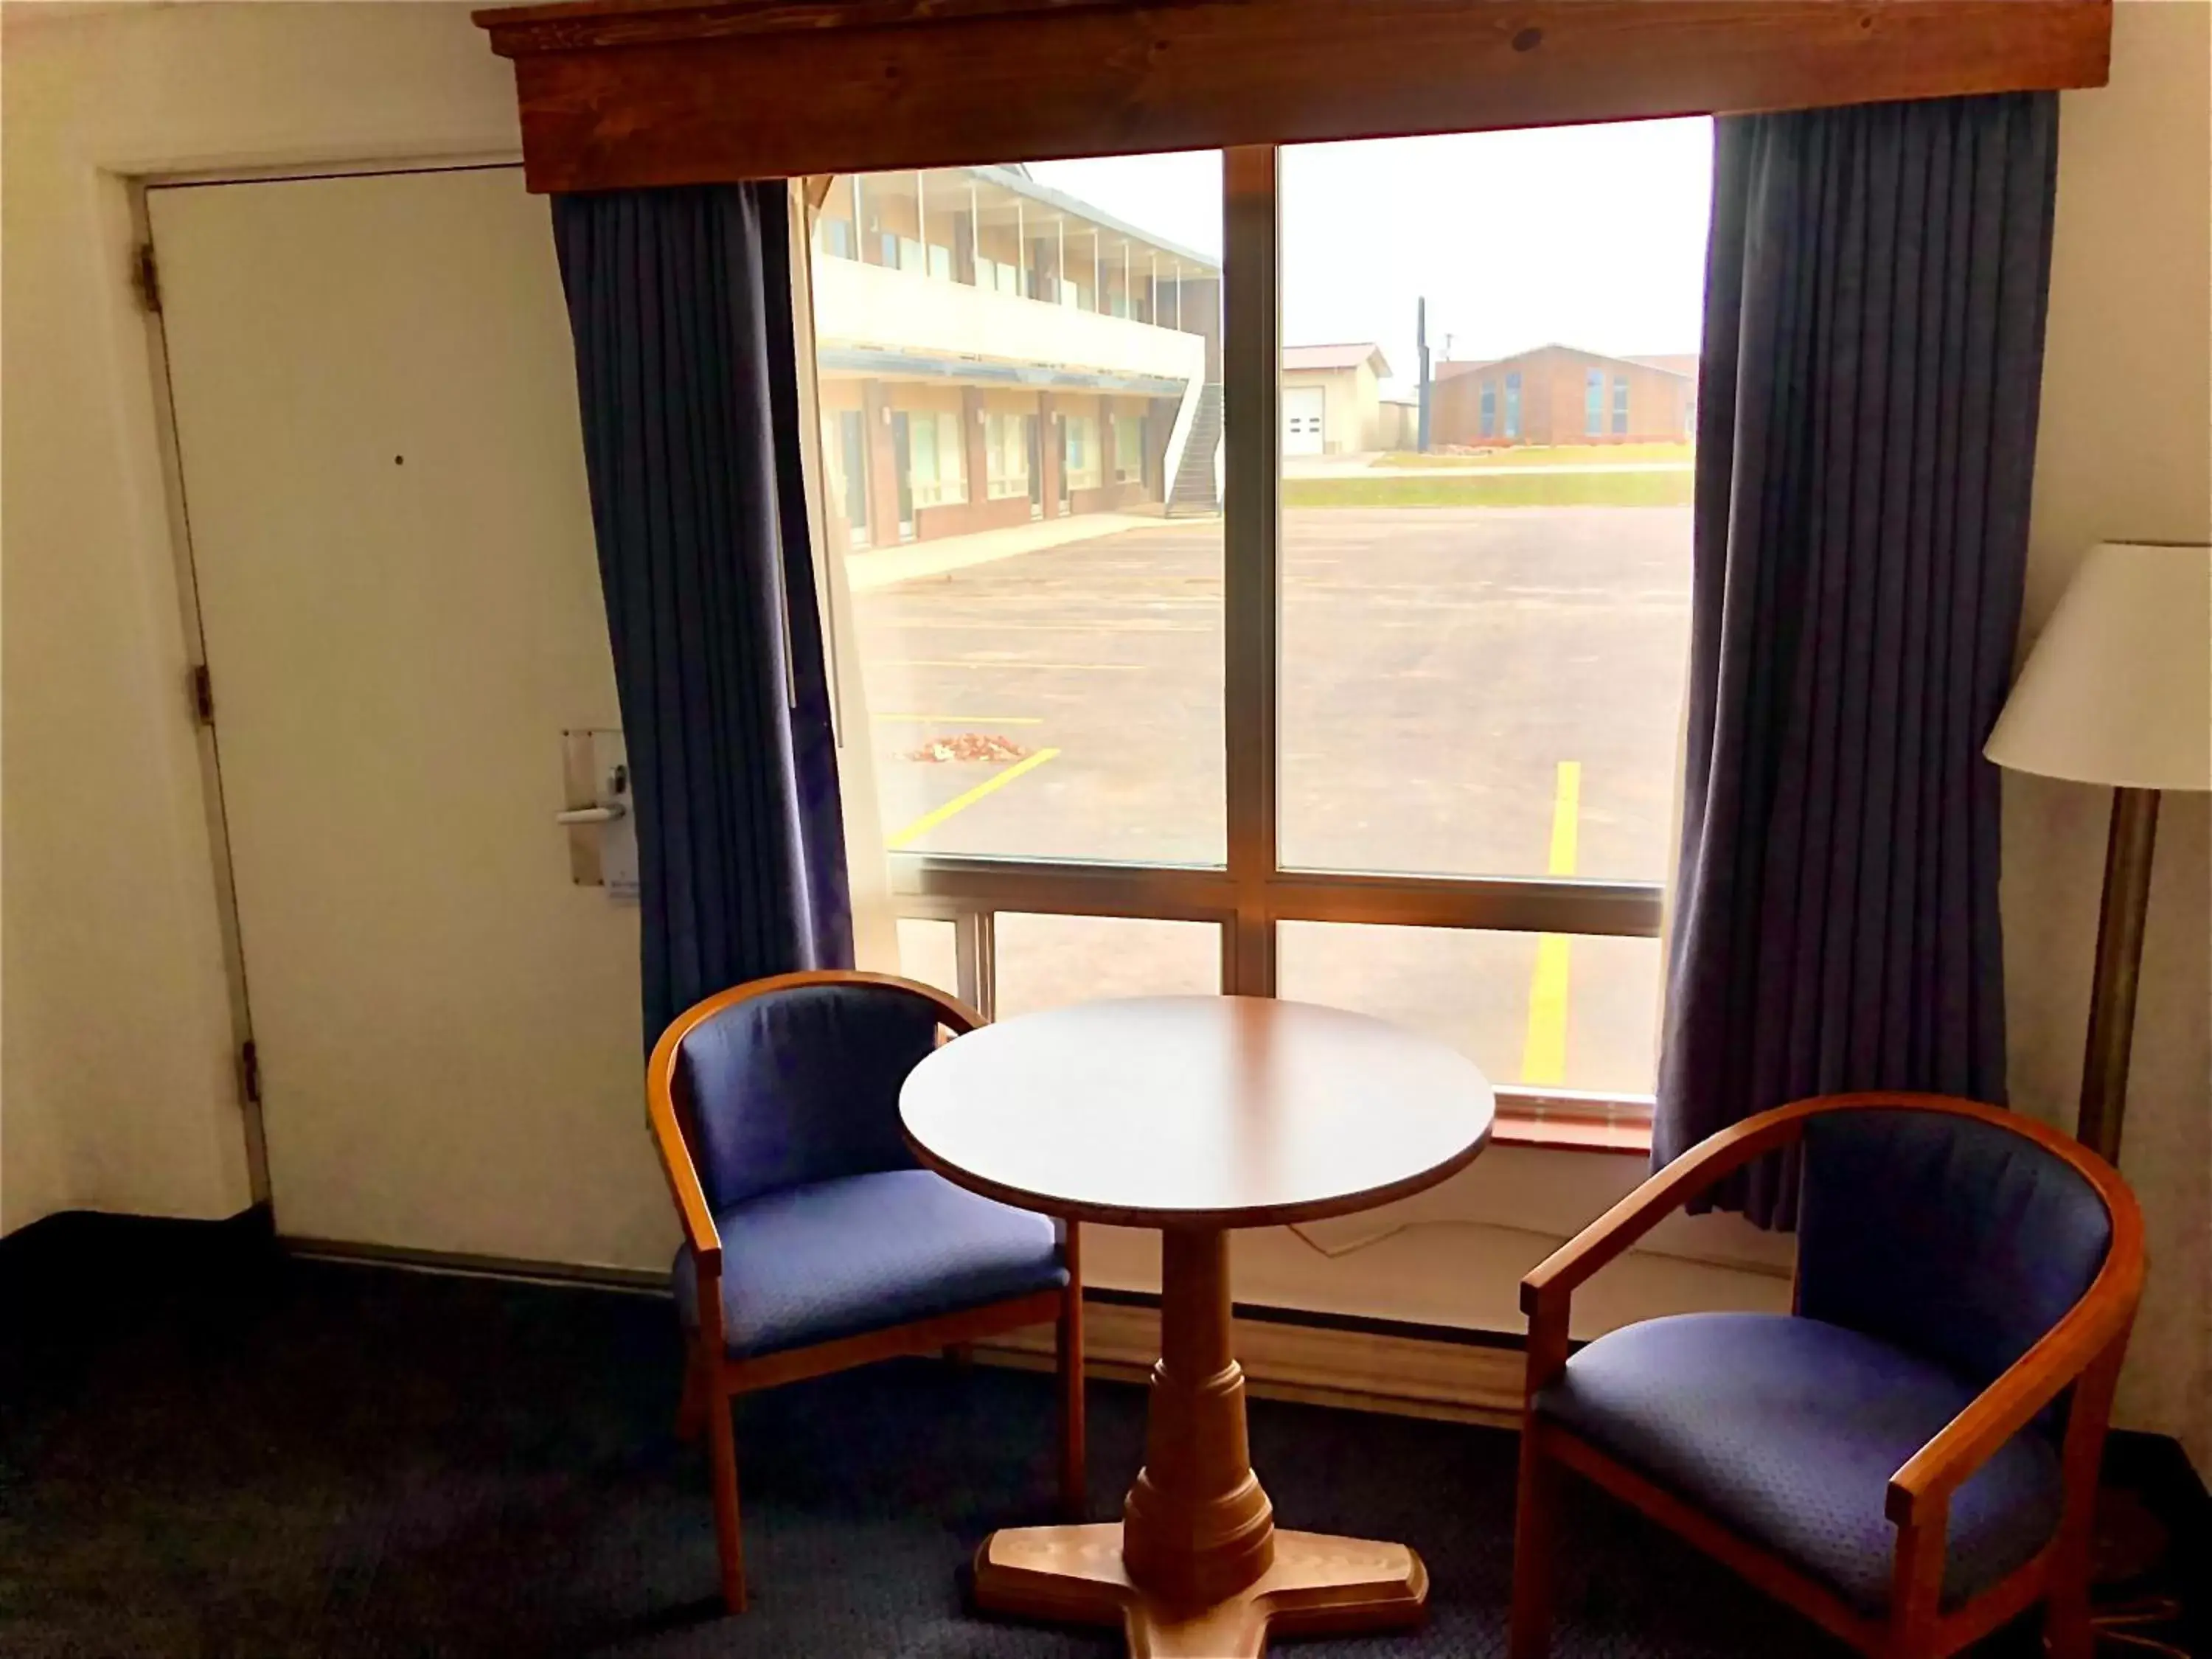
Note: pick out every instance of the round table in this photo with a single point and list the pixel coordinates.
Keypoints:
(1194, 1115)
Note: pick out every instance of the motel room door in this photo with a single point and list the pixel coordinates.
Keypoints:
(375, 410)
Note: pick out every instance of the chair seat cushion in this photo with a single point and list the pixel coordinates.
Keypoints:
(812, 1264)
(1787, 1431)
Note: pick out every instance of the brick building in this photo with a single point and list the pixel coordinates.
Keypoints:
(1558, 394)
(992, 351)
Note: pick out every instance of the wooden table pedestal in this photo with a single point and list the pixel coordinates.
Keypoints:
(1196, 1568)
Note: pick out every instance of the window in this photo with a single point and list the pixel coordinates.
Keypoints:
(1007, 440)
(1057, 696)
(1128, 449)
(1085, 466)
(1620, 405)
(1042, 962)
(835, 238)
(1399, 735)
(940, 262)
(937, 458)
(1000, 276)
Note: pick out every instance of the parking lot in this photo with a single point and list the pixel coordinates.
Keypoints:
(1465, 690)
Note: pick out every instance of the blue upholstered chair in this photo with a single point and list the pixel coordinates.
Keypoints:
(1910, 1456)
(813, 1241)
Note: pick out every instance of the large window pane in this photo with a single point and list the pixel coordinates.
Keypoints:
(1542, 1010)
(1048, 961)
(1020, 385)
(1484, 643)
(928, 950)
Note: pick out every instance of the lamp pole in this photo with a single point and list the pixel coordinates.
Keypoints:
(2118, 972)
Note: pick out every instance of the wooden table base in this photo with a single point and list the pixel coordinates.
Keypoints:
(1315, 1586)
(1195, 1569)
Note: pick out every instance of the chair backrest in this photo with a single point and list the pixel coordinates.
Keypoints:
(1957, 1239)
(798, 1081)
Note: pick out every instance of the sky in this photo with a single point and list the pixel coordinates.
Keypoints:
(1590, 236)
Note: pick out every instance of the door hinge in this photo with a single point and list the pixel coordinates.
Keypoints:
(203, 693)
(249, 1073)
(146, 277)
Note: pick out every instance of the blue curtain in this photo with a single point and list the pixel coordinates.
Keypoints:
(1875, 289)
(680, 304)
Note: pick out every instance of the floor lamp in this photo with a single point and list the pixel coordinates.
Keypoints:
(2118, 690)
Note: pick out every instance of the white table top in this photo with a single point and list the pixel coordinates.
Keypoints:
(1196, 1111)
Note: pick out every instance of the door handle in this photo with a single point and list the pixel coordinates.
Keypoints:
(606, 814)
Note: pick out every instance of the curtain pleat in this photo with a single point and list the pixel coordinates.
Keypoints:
(1875, 289)
(680, 302)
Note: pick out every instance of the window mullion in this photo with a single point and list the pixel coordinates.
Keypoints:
(1251, 348)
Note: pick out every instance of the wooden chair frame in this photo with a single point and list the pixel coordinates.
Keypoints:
(713, 1379)
(2083, 1351)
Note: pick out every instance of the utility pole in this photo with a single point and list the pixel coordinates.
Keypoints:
(1421, 343)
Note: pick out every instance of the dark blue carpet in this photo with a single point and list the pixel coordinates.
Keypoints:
(336, 1461)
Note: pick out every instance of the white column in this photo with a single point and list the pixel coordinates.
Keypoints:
(921, 222)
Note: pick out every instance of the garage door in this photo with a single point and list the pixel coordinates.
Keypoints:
(1302, 419)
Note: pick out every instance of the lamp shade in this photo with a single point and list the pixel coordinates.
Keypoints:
(2119, 688)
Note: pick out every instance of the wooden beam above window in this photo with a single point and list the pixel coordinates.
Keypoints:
(625, 93)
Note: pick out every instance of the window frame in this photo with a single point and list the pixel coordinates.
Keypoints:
(1252, 890)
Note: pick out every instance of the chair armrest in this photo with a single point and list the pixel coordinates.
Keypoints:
(2094, 1329)
(1548, 1285)
(700, 1232)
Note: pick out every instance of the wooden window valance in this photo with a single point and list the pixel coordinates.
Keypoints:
(617, 93)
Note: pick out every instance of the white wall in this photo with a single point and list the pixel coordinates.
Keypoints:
(115, 1056)
(2125, 452)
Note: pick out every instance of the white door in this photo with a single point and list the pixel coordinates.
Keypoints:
(1302, 406)
(376, 412)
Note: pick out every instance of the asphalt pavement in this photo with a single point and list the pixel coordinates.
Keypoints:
(1482, 692)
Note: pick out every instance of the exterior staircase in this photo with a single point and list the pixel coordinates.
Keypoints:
(1193, 490)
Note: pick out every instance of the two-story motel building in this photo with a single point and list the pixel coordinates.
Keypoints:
(992, 351)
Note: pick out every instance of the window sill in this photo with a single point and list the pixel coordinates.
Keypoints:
(1582, 1125)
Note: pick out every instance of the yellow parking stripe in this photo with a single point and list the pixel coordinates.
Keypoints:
(1544, 1050)
(929, 821)
(1566, 813)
